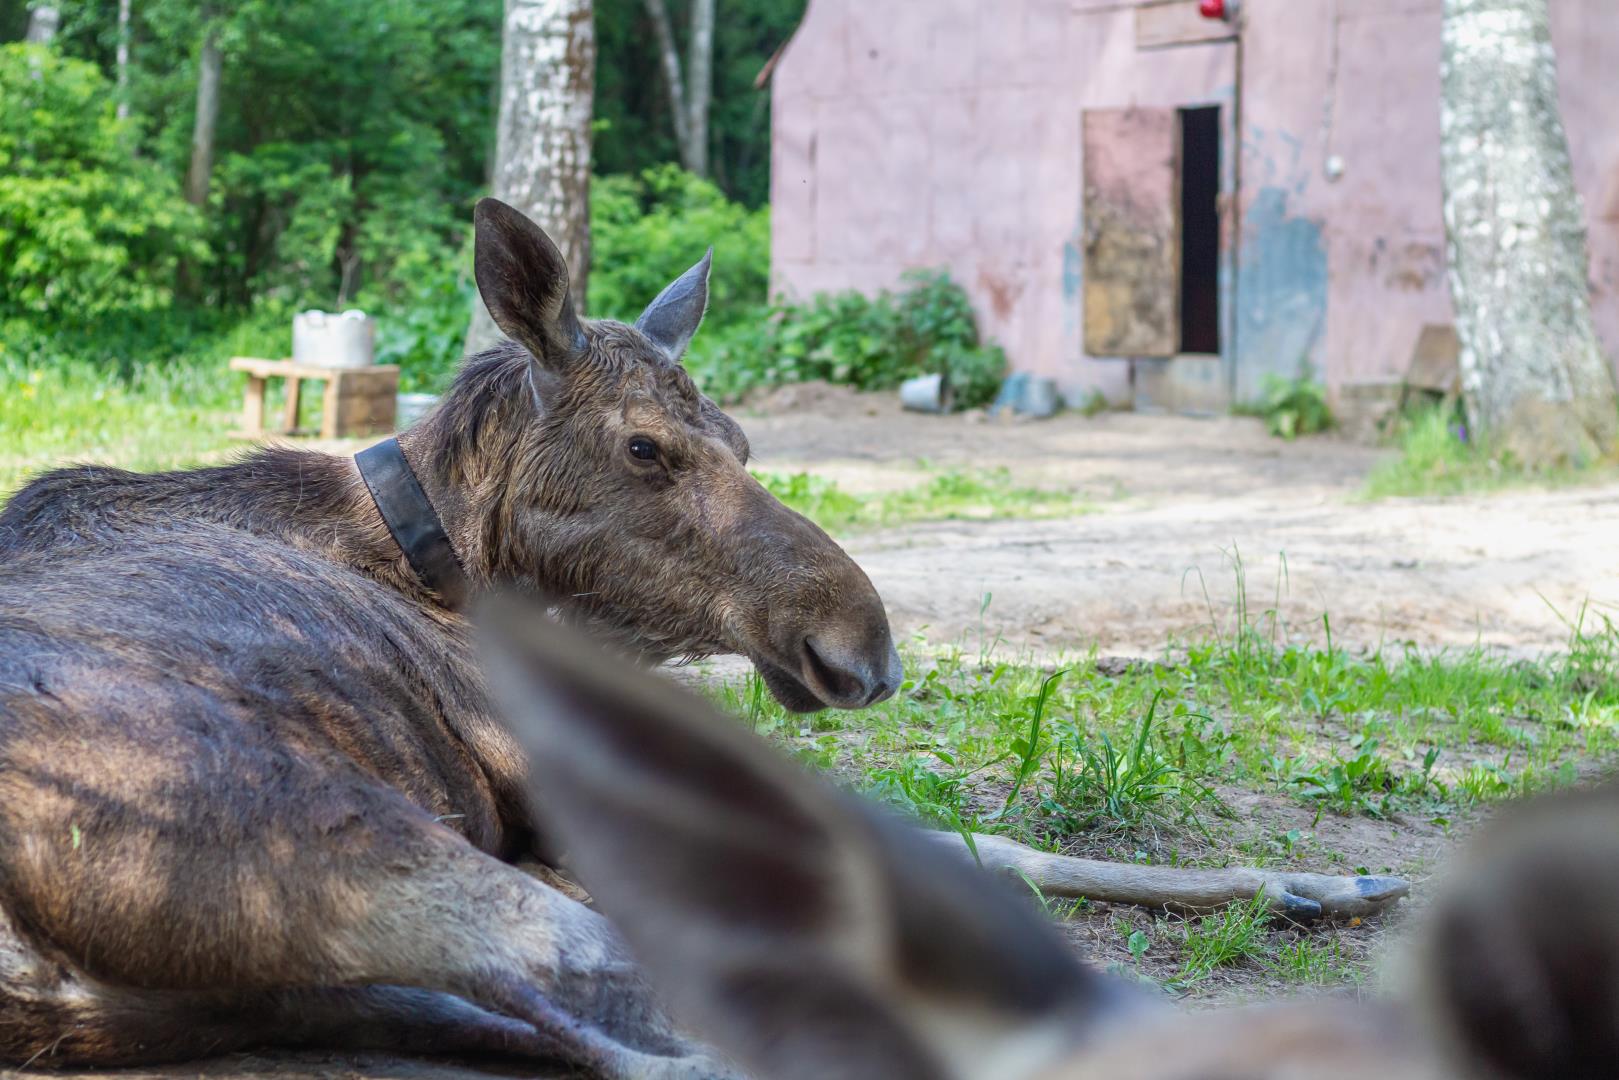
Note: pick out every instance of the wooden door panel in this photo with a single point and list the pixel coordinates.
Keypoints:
(1132, 232)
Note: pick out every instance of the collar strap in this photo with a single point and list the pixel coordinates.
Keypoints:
(411, 519)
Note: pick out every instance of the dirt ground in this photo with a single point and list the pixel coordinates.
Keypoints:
(1172, 497)
(1169, 500)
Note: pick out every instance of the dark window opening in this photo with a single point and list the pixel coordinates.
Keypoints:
(1200, 230)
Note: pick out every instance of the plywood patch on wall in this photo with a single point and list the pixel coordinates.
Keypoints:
(1132, 232)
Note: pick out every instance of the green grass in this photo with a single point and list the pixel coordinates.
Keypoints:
(1012, 746)
(1234, 935)
(1141, 764)
(159, 416)
(1436, 458)
(950, 495)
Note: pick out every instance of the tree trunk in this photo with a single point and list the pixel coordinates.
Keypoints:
(43, 22)
(701, 90)
(209, 68)
(542, 141)
(123, 59)
(669, 54)
(1533, 371)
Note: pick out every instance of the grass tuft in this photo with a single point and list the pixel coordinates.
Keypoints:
(950, 495)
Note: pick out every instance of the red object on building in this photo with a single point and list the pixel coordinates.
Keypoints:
(1212, 9)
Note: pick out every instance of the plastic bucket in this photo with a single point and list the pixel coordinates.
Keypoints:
(321, 339)
(925, 393)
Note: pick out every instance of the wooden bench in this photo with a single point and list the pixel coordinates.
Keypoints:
(357, 401)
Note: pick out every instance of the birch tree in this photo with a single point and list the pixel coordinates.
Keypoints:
(43, 22)
(542, 138)
(122, 59)
(691, 85)
(210, 68)
(1534, 375)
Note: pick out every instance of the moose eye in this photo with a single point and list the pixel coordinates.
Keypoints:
(643, 449)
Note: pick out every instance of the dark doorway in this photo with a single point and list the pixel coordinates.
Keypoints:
(1200, 230)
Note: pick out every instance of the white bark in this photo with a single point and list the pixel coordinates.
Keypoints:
(673, 77)
(542, 143)
(210, 66)
(43, 22)
(1533, 371)
(701, 90)
(123, 59)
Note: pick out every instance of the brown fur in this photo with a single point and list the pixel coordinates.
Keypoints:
(250, 780)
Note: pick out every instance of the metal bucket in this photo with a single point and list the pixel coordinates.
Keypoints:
(925, 393)
(1038, 399)
(322, 339)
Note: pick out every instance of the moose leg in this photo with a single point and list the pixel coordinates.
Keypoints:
(181, 868)
(1300, 897)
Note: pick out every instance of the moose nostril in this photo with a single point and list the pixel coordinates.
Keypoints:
(843, 681)
(852, 678)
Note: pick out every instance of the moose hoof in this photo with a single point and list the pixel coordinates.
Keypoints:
(1308, 897)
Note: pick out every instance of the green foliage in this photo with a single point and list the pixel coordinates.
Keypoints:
(352, 138)
(633, 126)
(646, 230)
(87, 228)
(1293, 407)
(871, 343)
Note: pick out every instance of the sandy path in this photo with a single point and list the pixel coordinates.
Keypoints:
(1170, 494)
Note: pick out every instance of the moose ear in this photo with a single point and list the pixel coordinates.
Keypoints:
(801, 931)
(671, 321)
(523, 280)
(1522, 958)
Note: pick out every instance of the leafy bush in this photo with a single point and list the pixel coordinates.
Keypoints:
(649, 229)
(871, 343)
(1294, 407)
(86, 227)
(424, 331)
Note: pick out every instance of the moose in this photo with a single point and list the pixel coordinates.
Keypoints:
(810, 935)
(253, 786)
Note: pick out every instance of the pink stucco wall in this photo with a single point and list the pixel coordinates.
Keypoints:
(919, 133)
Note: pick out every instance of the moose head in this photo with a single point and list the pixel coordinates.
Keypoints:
(581, 460)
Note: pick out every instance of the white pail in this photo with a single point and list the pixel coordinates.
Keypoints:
(322, 339)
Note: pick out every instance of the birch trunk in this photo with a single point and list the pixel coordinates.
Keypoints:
(209, 68)
(669, 54)
(123, 59)
(43, 22)
(542, 139)
(1533, 371)
(701, 91)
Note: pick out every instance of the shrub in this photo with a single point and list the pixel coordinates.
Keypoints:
(872, 343)
(647, 230)
(1293, 407)
(86, 227)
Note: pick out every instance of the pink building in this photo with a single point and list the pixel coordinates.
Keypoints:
(1074, 164)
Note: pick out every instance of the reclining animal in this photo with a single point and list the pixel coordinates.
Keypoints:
(252, 786)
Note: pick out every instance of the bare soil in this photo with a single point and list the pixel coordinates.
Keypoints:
(1173, 502)
(1176, 499)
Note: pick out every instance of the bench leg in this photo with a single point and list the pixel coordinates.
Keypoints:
(329, 402)
(289, 414)
(253, 407)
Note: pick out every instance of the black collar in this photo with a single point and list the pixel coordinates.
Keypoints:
(413, 521)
